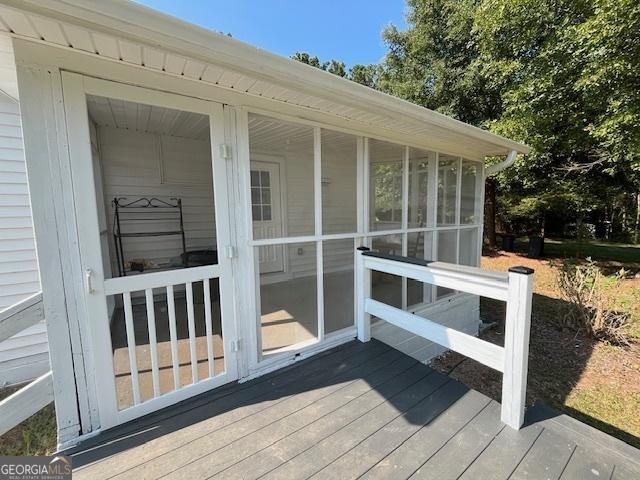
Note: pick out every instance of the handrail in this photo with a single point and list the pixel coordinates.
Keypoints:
(514, 287)
(25, 402)
(21, 315)
(114, 286)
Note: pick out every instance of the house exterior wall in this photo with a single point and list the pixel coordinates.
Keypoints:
(40, 75)
(24, 356)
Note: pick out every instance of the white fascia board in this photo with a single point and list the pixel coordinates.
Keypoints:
(146, 25)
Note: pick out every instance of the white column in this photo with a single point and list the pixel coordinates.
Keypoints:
(363, 291)
(516, 346)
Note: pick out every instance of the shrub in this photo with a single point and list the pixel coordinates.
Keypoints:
(589, 296)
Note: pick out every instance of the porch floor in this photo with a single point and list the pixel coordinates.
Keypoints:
(356, 411)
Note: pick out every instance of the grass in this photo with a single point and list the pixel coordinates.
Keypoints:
(35, 436)
(592, 381)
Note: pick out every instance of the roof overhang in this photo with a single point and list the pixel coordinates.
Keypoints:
(131, 33)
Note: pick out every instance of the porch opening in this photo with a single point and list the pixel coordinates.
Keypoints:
(154, 186)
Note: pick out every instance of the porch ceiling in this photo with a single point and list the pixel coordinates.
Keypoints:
(133, 34)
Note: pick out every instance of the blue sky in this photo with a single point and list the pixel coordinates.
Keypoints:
(347, 30)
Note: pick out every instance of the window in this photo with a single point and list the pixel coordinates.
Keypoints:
(261, 195)
(421, 165)
(385, 193)
(447, 189)
(470, 193)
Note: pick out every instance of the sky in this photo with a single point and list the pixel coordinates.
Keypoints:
(347, 30)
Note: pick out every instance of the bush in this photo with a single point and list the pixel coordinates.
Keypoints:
(589, 296)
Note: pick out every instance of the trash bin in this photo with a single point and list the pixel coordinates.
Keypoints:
(508, 242)
(536, 246)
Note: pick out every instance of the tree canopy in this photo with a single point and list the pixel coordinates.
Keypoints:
(562, 76)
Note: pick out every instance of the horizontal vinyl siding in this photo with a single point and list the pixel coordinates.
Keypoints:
(25, 355)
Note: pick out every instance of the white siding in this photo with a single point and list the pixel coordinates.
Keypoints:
(24, 356)
(136, 164)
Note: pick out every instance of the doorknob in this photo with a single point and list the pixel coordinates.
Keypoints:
(88, 283)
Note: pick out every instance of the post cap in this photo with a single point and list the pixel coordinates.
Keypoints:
(522, 270)
(363, 249)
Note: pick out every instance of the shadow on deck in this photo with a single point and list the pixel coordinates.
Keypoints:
(359, 410)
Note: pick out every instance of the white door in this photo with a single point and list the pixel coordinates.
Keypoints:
(266, 207)
(176, 324)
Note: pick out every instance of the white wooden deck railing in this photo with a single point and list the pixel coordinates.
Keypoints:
(38, 394)
(515, 287)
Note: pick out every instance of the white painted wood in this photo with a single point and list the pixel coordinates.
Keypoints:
(131, 346)
(21, 315)
(192, 333)
(317, 209)
(153, 341)
(208, 326)
(516, 348)
(468, 345)
(173, 337)
(48, 172)
(363, 292)
(458, 277)
(113, 286)
(20, 405)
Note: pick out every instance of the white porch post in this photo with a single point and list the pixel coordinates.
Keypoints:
(363, 291)
(516, 346)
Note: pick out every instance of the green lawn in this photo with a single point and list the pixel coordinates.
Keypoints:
(598, 250)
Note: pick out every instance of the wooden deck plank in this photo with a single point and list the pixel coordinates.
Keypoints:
(306, 393)
(547, 458)
(331, 448)
(460, 451)
(221, 412)
(587, 464)
(282, 451)
(358, 460)
(219, 460)
(359, 411)
(408, 457)
(503, 454)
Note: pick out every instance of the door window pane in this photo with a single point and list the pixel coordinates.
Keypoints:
(282, 168)
(339, 182)
(421, 164)
(470, 194)
(447, 189)
(385, 190)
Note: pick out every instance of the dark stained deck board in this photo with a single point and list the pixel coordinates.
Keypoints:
(221, 412)
(270, 458)
(503, 454)
(547, 458)
(464, 447)
(235, 448)
(356, 411)
(416, 450)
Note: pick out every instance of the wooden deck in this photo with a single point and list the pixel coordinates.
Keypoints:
(357, 411)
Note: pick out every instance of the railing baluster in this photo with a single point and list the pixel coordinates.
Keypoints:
(192, 333)
(207, 320)
(153, 341)
(171, 308)
(131, 346)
